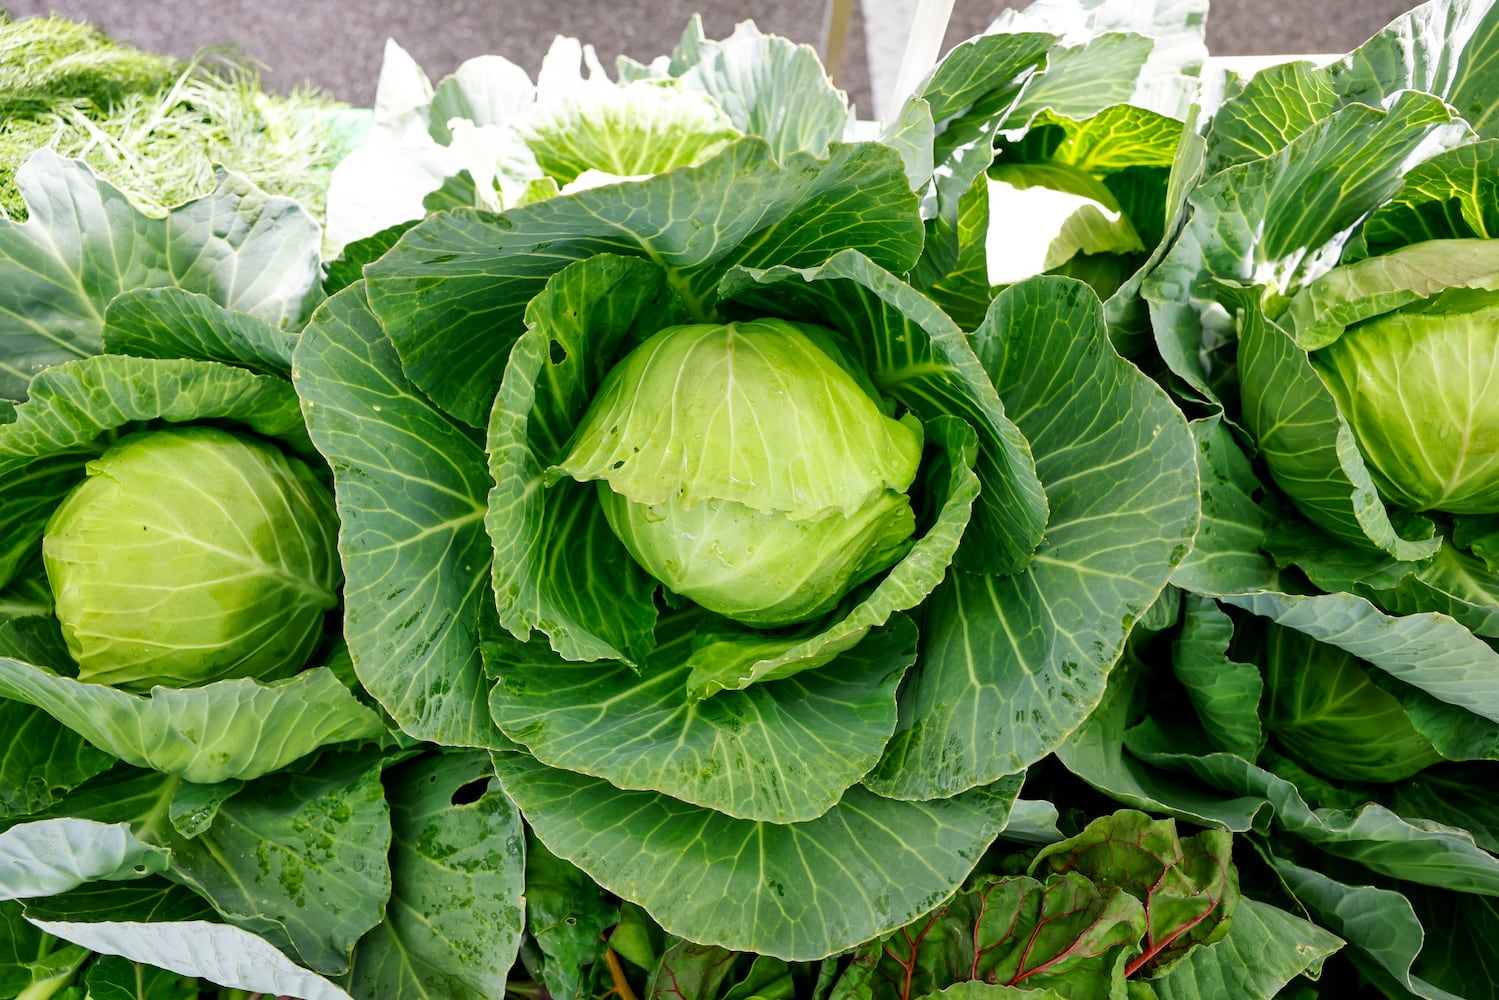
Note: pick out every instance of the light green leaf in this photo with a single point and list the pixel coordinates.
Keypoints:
(972, 94)
(1320, 312)
(48, 856)
(781, 751)
(1266, 947)
(84, 243)
(1280, 222)
(1446, 48)
(455, 917)
(228, 729)
(917, 356)
(1276, 105)
(297, 859)
(739, 207)
(625, 130)
(1452, 196)
(410, 489)
(1080, 80)
(798, 891)
(729, 659)
(1012, 664)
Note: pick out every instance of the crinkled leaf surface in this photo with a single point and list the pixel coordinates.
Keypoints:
(218, 953)
(48, 856)
(1083, 78)
(568, 915)
(1012, 664)
(410, 489)
(1445, 48)
(732, 658)
(739, 207)
(455, 916)
(795, 891)
(1454, 195)
(781, 751)
(917, 356)
(84, 243)
(772, 88)
(1188, 887)
(1065, 933)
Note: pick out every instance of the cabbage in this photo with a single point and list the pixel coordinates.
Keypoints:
(191, 554)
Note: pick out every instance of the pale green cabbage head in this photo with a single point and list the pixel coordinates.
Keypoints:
(749, 468)
(1420, 389)
(189, 555)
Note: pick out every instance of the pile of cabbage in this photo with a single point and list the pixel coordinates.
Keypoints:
(675, 554)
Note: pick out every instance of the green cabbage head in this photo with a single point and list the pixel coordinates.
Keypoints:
(750, 468)
(189, 555)
(1420, 389)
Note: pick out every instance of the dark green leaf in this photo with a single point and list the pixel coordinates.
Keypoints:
(410, 487)
(797, 891)
(453, 925)
(1115, 456)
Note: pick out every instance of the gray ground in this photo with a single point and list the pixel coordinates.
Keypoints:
(337, 44)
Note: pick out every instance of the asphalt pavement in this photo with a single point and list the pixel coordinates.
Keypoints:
(336, 45)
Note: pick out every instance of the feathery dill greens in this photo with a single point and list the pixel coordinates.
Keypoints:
(154, 126)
